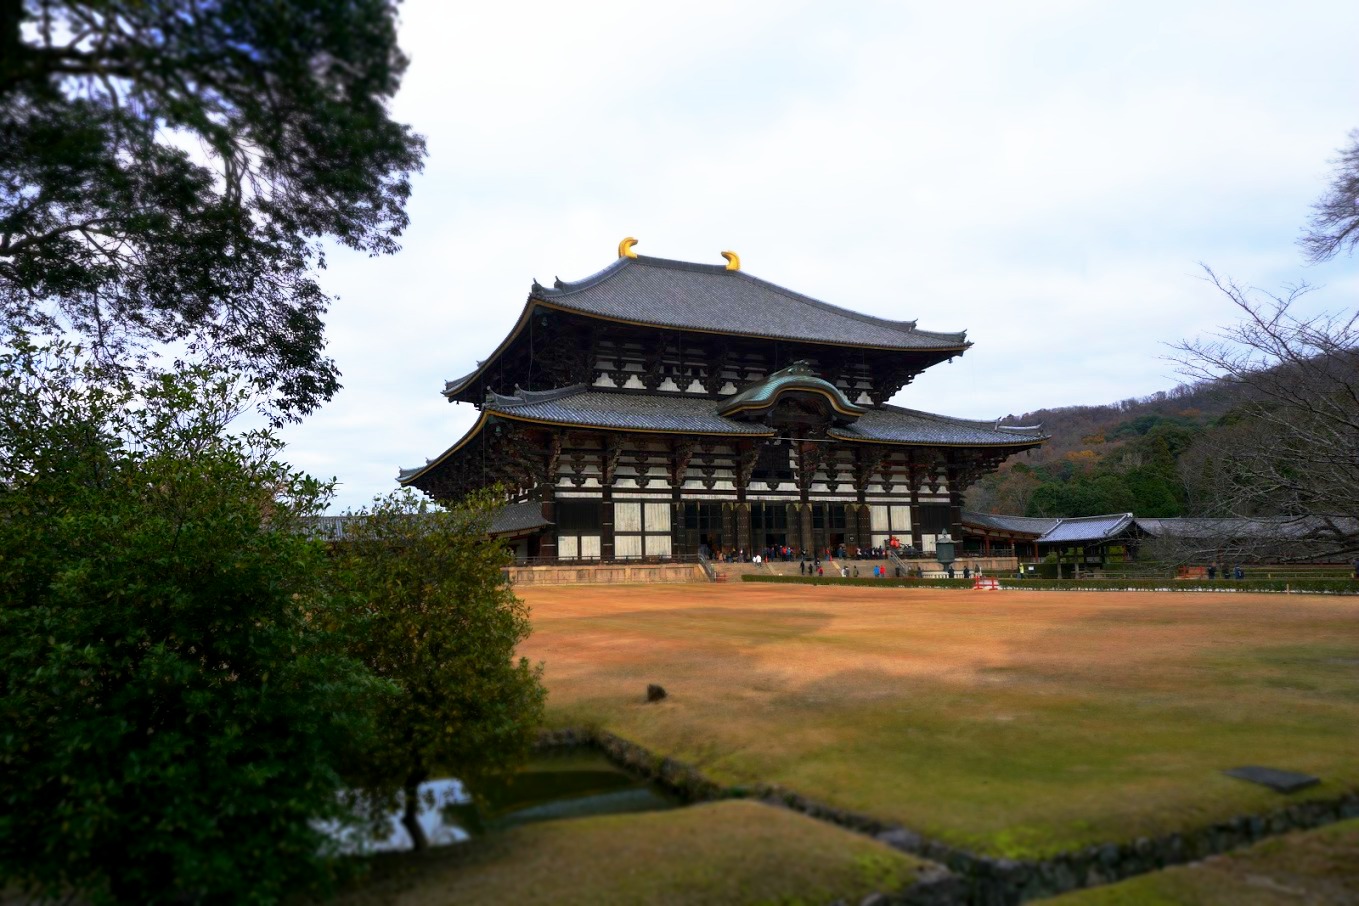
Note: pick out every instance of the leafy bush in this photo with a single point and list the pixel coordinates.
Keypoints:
(170, 715)
(427, 607)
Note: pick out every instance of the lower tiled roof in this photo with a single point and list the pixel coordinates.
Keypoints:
(1025, 525)
(582, 406)
(678, 413)
(893, 424)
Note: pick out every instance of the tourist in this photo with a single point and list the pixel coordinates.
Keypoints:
(1239, 572)
(1356, 569)
(802, 567)
(1212, 571)
(967, 573)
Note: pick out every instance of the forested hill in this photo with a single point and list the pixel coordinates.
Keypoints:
(1122, 457)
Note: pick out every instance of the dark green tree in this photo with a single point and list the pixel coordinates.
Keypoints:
(170, 713)
(169, 169)
(430, 611)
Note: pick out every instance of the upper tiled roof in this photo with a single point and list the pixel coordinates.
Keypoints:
(711, 298)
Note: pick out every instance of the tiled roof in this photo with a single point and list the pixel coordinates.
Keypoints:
(1087, 528)
(578, 405)
(518, 517)
(676, 413)
(1271, 528)
(894, 424)
(1026, 525)
(711, 298)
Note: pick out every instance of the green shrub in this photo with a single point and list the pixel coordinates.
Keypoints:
(170, 717)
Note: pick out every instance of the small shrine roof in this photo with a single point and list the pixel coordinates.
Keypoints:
(713, 298)
(798, 376)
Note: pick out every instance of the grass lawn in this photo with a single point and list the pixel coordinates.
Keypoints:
(1315, 867)
(719, 853)
(1013, 723)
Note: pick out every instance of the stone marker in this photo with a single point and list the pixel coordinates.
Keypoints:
(1275, 779)
(654, 693)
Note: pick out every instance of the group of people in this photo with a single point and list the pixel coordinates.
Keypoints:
(1236, 572)
(787, 554)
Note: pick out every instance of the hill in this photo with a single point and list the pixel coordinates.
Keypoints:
(1121, 457)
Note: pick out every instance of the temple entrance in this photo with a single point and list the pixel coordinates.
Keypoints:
(768, 524)
(829, 521)
(699, 528)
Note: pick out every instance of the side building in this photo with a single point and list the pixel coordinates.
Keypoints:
(660, 407)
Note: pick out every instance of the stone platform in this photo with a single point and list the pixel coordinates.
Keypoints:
(606, 574)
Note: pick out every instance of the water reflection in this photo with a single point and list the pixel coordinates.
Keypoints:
(568, 785)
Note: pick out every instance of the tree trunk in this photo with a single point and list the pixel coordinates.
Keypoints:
(410, 818)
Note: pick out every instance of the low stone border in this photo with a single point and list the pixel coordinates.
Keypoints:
(970, 878)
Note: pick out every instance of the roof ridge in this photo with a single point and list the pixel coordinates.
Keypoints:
(564, 288)
(1101, 516)
(990, 425)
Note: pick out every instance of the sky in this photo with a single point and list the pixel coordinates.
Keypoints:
(1049, 176)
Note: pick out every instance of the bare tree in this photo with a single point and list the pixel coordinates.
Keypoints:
(1290, 449)
(1334, 226)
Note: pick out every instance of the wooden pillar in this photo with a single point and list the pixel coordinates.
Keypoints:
(805, 523)
(606, 552)
(728, 525)
(743, 527)
(547, 548)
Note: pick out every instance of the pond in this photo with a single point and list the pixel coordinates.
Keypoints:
(573, 784)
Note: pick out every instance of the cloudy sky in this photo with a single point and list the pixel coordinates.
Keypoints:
(1048, 176)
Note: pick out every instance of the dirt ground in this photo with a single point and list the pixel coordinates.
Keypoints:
(1013, 722)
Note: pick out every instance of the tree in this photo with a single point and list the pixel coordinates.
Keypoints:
(1334, 226)
(168, 170)
(430, 611)
(1290, 450)
(170, 713)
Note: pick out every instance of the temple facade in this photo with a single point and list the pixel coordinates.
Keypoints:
(661, 407)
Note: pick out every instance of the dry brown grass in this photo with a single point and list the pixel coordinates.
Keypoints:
(1013, 722)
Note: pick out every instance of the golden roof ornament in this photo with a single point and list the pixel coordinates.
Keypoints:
(625, 248)
(733, 261)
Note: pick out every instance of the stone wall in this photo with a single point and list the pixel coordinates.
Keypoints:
(606, 573)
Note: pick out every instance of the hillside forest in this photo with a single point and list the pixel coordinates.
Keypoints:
(1135, 456)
